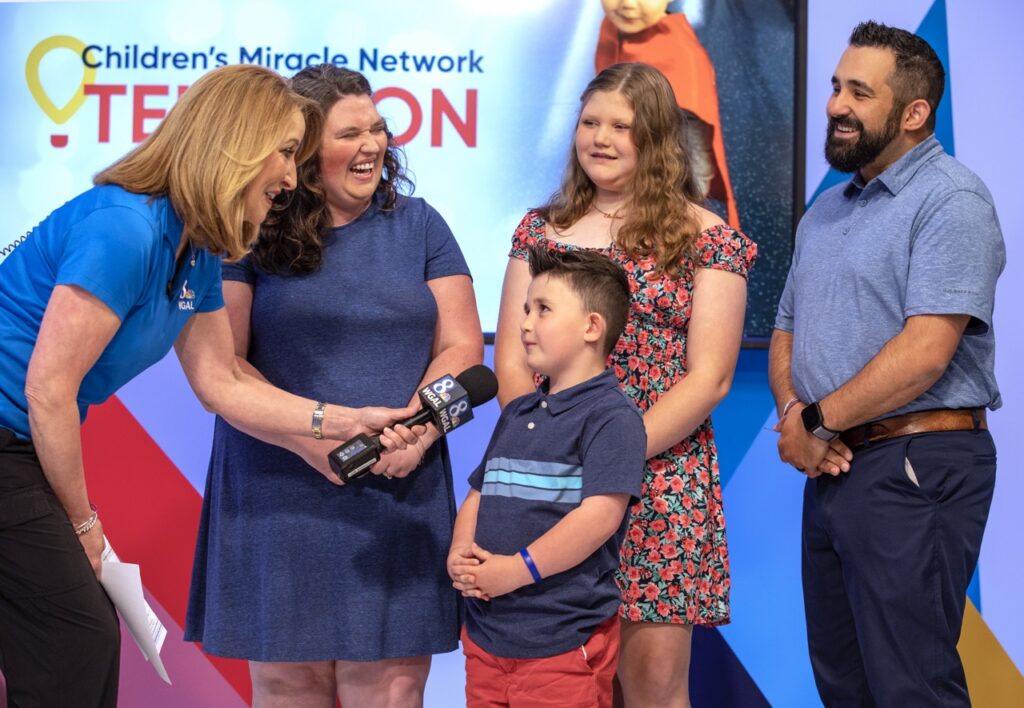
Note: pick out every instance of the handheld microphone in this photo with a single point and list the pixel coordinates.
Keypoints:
(447, 403)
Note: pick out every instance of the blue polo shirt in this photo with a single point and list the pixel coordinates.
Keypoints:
(119, 247)
(547, 454)
(921, 238)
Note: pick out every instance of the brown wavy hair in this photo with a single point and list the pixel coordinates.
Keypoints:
(210, 147)
(661, 221)
(291, 240)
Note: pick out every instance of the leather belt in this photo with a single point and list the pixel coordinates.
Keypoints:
(943, 420)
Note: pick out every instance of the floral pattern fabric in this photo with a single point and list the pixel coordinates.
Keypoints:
(674, 564)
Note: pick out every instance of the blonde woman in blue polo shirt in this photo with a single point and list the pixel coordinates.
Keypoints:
(96, 293)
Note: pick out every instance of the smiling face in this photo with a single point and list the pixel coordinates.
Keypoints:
(352, 156)
(277, 173)
(632, 16)
(604, 141)
(863, 114)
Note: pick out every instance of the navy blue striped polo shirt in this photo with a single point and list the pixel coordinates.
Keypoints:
(547, 454)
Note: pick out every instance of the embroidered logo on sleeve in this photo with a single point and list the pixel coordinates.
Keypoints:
(186, 298)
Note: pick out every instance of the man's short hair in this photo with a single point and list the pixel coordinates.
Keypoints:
(918, 72)
(601, 284)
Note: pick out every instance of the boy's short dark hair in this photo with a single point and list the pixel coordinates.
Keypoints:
(919, 72)
(601, 284)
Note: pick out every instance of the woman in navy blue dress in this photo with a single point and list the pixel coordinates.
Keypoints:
(358, 294)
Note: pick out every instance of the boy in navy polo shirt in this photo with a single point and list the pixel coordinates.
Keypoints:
(536, 542)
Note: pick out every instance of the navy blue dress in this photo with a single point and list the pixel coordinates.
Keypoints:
(289, 567)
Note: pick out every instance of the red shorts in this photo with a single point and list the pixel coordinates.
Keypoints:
(579, 678)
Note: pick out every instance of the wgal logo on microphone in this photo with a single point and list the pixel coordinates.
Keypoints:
(457, 409)
(443, 386)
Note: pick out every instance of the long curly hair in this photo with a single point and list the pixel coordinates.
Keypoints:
(660, 221)
(291, 240)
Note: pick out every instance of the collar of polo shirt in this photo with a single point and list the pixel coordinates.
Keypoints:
(896, 175)
(570, 397)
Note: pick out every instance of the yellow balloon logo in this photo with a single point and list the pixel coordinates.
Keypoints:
(35, 86)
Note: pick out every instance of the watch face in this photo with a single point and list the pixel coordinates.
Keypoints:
(811, 416)
(814, 423)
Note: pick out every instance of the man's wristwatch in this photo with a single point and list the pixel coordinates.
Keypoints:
(814, 423)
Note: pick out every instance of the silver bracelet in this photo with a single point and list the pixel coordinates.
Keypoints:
(318, 420)
(86, 526)
(785, 409)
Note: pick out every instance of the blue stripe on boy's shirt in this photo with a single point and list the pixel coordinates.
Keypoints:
(537, 467)
(537, 481)
(533, 480)
(518, 491)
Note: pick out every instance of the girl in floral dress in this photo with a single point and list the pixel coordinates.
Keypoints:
(628, 193)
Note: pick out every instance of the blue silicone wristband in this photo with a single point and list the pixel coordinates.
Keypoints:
(530, 565)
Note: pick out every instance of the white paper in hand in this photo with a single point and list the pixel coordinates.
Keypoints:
(123, 584)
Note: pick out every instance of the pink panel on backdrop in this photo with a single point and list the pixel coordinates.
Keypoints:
(196, 682)
(150, 513)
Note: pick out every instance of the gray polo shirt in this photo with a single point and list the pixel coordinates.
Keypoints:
(921, 238)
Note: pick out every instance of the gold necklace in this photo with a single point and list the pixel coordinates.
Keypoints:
(613, 215)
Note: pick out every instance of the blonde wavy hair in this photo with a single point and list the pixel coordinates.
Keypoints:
(210, 147)
(660, 221)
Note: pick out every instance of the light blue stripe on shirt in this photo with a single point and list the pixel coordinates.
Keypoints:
(550, 469)
(534, 480)
(558, 496)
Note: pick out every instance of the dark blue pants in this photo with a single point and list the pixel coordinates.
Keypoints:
(888, 551)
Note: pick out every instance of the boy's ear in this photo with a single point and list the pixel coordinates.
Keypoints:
(596, 327)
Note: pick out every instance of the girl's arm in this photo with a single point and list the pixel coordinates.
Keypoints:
(712, 347)
(515, 378)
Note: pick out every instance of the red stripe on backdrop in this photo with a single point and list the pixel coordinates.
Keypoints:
(150, 513)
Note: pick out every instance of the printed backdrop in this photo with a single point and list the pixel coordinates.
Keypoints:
(482, 95)
(485, 97)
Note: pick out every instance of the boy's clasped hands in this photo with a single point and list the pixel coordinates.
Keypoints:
(478, 573)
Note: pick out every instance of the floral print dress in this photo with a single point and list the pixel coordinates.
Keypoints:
(674, 564)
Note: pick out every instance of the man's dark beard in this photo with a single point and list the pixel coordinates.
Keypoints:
(851, 155)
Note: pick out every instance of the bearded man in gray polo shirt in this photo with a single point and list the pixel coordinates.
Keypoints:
(882, 367)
